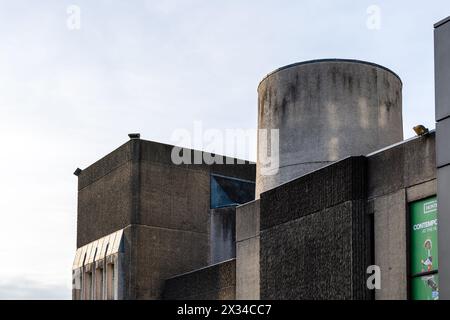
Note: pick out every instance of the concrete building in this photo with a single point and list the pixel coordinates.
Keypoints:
(143, 219)
(442, 79)
(336, 196)
(314, 234)
(319, 233)
(326, 110)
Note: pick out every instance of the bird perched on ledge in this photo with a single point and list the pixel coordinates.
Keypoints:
(420, 130)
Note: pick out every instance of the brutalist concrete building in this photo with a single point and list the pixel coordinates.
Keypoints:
(143, 219)
(337, 196)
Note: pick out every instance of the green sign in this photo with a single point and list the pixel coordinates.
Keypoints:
(424, 250)
(425, 287)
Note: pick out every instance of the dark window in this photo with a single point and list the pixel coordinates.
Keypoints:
(227, 191)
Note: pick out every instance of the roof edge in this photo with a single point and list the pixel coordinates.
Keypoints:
(296, 64)
(442, 22)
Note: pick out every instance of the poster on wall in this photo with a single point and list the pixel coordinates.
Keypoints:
(424, 249)
(425, 287)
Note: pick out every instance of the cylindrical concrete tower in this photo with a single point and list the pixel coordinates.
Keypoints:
(325, 110)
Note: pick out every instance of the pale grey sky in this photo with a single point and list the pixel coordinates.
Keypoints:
(68, 97)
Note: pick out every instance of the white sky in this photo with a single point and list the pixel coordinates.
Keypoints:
(68, 97)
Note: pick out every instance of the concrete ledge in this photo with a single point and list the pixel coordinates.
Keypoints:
(402, 166)
(339, 182)
(216, 282)
(421, 191)
(105, 165)
(247, 220)
(150, 151)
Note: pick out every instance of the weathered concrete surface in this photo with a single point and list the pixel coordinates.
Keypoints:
(421, 191)
(401, 174)
(105, 196)
(247, 220)
(155, 152)
(247, 269)
(223, 234)
(163, 253)
(342, 181)
(327, 110)
(164, 209)
(420, 155)
(216, 282)
(315, 235)
(174, 197)
(390, 216)
(247, 251)
(105, 165)
(402, 166)
(315, 256)
(151, 255)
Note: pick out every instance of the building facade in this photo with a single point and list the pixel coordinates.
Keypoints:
(143, 219)
(338, 205)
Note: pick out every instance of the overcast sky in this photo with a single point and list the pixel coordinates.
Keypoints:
(70, 96)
